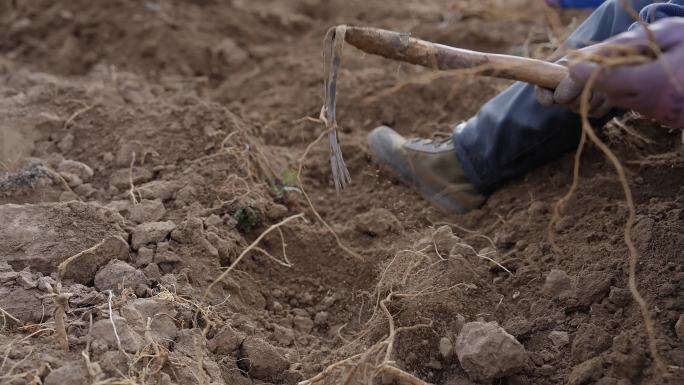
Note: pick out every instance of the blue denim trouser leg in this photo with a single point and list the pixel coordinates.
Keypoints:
(513, 133)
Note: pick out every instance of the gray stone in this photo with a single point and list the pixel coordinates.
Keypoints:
(25, 279)
(557, 283)
(117, 275)
(103, 333)
(487, 352)
(446, 348)
(161, 313)
(303, 324)
(41, 236)
(559, 338)
(158, 189)
(152, 232)
(679, 327)
(228, 53)
(121, 179)
(586, 372)
(146, 211)
(226, 341)
(284, 336)
(82, 170)
(321, 318)
(73, 373)
(261, 360)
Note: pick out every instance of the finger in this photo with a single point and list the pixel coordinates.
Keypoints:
(623, 81)
(544, 96)
(568, 91)
(599, 105)
(640, 39)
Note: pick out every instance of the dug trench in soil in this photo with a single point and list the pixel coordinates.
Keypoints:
(147, 144)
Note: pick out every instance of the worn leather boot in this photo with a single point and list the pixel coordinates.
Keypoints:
(430, 165)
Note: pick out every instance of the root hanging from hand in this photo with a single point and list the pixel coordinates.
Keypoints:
(633, 256)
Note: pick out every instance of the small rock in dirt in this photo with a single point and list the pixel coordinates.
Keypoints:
(276, 211)
(117, 275)
(446, 348)
(8, 276)
(70, 374)
(559, 338)
(151, 232)
(49, 233)
(121, 179)
(104, 337)
(146, 211)
(261, 360)
(564, 224)
(227, 249)
(189, 231)
(66, 143)
(85, 190)
(292, 377)
(586, 372)
(518, 326)
(303, 323)
(161, 312)
(679, 327)
(228, 53)
(82, 170)
(321, 318)
(590, 341)
(186, 194)
(537, 208)
(25, 279)
(620, 297)
(46, 283)
(277, 307)
(49, 122)
(284, 336)
(557, 283)
(85, 296)
(487, 352)
(444, 239)
(152, 272)
(226, 341)
(127, 151)
(114, 363)
(145, 255)
(212, 220)
(376, 222)
(457, 324)
(71, 179)
(158, 189)
(627, 359)
(188, 346)
(25, 305)
(593, 287)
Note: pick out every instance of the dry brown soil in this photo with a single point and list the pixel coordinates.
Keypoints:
(162, 137)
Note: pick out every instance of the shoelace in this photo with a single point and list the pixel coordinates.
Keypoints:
(437, 138)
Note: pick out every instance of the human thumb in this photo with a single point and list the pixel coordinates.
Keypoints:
(580, 72)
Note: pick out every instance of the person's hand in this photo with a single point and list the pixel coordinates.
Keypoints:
(654, 89)
(568, 93)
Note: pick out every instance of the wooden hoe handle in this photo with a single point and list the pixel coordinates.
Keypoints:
(402, 47)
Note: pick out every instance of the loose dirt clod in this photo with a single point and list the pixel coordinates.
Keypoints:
(261, 360)
(487, 352)
(557, 282)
